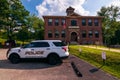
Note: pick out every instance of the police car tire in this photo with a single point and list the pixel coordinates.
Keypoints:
(14, 58)
(53, 59)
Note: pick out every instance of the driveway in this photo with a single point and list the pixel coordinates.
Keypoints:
(36, 70)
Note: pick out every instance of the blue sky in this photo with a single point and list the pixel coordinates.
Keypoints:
(58, 7)
(30, 5)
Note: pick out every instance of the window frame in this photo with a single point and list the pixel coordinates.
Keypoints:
(56, 23)
(83, 22)
(63, 21)
(90, 34)
(96, 22)
(63, 34)
(50, 35)
(50, 22)
(73, 22)
(84, 34)
(57, 34)
(96, 34)
(90, 22)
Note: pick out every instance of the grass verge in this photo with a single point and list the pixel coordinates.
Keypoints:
(93, 56)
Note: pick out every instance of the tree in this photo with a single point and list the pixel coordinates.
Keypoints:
(13, 14)
(116, 38)
(36, 27)
(18, 14)
(4, 10)
(110, 14)
(33, 29)
(23, 35)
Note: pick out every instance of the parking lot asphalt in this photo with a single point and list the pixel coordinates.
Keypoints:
(36, 70)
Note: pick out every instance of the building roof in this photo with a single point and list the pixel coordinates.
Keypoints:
(73, 15)
(48, 16)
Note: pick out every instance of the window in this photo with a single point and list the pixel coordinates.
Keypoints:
(89, 22)
(83, 34)
(96, 34)
(43, 44)
(56, 34)
(56, 22)
(26, 46)
(73, 23)
(49, 22)
(83, 22)
(32, 45)
(49, 34)
(59, 44)
(90, 34)
(37, 44)
(63, 22)
(96, 23)
(63, 34)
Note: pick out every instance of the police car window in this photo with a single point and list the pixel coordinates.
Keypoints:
(43, 44)
(58, 44)
(25, 46)
(39, 44)
(34, 44)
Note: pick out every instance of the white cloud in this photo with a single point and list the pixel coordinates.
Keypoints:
(58, 7)
(108, 4)
(115, 3)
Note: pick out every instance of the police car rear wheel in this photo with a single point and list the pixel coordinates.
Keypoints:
(14, 58)
(53, 59)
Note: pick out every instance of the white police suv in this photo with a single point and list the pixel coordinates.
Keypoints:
(53, 50)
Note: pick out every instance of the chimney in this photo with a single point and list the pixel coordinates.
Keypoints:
(69, 11)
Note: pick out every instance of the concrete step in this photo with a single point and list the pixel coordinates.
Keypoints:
(74, 42)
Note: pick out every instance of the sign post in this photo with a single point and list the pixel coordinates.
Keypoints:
(103, 57)
(80, 50)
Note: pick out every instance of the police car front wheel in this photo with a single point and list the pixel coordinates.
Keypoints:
(14, 58)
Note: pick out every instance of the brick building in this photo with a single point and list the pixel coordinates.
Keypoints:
(74, 28)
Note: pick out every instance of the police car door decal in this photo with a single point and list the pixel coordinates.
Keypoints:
(34, 52)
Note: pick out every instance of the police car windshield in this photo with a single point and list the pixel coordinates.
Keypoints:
(32, 44)
(26, 46)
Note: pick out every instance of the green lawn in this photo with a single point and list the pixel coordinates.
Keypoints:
(93, 56)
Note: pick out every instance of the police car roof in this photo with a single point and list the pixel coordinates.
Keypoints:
(46, 41)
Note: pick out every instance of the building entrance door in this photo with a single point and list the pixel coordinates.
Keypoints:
(73, 37)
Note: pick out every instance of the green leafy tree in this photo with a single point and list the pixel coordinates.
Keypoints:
(4, 12)
(110, 14)
(116, 38)
(13, 14)
(36, 27)
(18, 14)
(23, 34)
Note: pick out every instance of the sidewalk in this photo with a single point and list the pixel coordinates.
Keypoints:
(90, 72)
(107, 49)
